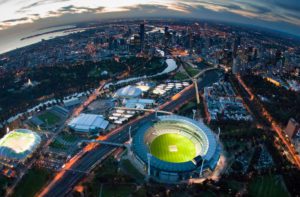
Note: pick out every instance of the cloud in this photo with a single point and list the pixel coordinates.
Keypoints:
(73, 9)
(16, 12)
(3, 1)
(15, 20)
(39, 3)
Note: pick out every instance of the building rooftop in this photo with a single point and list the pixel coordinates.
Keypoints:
(88, 122)
(128, 92)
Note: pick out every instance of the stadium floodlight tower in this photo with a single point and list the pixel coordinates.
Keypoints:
(219, 132)
(201, 169)
(194, 114)
(196, 89)
(129, 134)
(156, 109)
(149, 155)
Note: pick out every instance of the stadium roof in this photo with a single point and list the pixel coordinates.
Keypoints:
(88, 122)
(36, 121)
(128, 92)
(210, 149)
(71, 102)
(18, 144)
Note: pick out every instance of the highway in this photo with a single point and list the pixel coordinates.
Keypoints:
(82, 163)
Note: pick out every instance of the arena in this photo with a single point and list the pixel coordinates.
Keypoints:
(18, 145)
(175, 148)
(128, 92)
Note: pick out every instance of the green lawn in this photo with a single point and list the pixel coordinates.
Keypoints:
(68, 137)
(173, 147)
(188, 108)
(268, 186)
(49, 118)
(32, 182)
(57, 145)
(192, 71)
(180, 76)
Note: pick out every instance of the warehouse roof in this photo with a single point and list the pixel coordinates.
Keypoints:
(88, 122)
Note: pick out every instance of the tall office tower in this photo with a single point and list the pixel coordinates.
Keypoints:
(234, 47)
(236, 65)
(190, 41)
(166, 30)
(142, 35)
(167, 36)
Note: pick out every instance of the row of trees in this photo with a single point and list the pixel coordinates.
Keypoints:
(281, 103)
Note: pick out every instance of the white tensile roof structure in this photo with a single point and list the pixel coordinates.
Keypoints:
(88, 123)
(128, 92)
(19, 144)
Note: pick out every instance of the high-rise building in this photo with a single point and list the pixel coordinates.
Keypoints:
(167, 36)
(235, 65)
(166, 30)
(292, 128)
(190, 40)
(235, 45)
(142, 35)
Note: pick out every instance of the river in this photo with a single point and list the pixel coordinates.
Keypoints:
(209, 78)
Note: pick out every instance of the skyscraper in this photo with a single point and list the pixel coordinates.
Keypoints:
(166, 30)
(236, 65)
(142, 35)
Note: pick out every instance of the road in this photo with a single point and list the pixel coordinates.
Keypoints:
(82, 163)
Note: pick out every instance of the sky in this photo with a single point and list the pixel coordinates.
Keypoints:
(25, 16)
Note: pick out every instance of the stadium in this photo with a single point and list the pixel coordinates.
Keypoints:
(128, 92)
(175, 148)
(18, 145)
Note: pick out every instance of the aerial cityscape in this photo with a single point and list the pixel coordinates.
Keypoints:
(169, 98)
